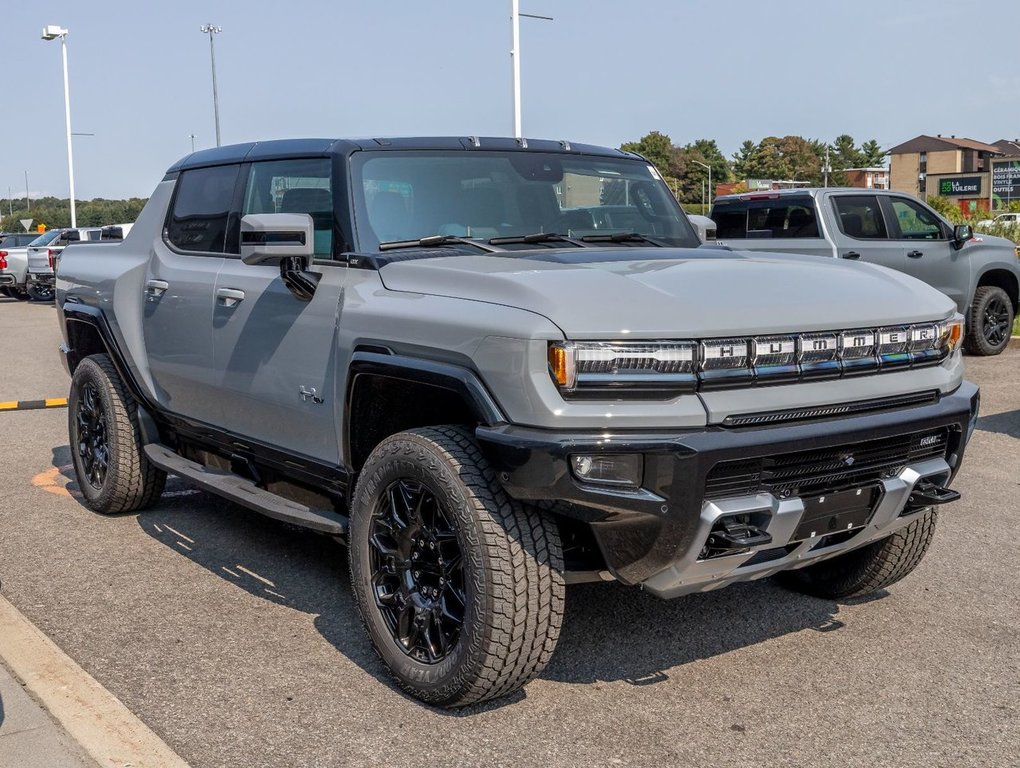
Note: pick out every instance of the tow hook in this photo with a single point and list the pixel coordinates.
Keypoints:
(928, 494)
(731, 535)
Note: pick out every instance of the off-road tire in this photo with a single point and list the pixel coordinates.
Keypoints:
(868, 569)
(512, 569)
(989, 301)
(131, 482)
(35, 293)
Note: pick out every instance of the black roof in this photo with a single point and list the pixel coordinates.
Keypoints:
(283, 148)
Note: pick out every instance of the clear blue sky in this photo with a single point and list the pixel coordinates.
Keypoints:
(603, 72)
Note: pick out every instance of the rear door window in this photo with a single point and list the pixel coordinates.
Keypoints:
(783, 217)
(202, 202)
(860, 217)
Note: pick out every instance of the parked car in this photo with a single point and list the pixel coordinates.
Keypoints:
(980, 273)
(413, 346)
(1007, 219)
(14, 262)
(43, 254)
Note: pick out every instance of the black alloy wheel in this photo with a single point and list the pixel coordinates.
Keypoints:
(997, 319)
(92, 443)
(417, 571)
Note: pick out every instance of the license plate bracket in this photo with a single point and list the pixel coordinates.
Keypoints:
(837, 512)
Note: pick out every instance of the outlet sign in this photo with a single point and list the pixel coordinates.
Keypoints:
(1006, 180)
(968, 185)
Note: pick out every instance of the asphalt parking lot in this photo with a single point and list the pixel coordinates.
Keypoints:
(236, 639)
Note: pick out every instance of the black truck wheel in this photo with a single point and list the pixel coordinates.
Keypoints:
(868, 569)
(39, 292)
(991, 321)
(460, 587)
(113, 472)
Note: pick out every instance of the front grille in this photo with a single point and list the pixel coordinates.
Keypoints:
(806, 473)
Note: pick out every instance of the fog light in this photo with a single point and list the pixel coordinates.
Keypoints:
(623, 469)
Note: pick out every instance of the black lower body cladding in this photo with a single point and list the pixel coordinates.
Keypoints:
(643, 531)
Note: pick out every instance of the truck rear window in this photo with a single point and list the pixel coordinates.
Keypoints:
(774, 219)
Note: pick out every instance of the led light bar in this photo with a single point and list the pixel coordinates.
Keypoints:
(667, 368)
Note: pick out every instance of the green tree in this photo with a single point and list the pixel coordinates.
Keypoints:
(691, 175)
(790, 157)
(657, 148)
(742, 160)
(872, 153)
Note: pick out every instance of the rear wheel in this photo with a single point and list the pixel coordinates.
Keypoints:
(113, 472)
(39, 292)
(868, 569)
(460, 587)
(990, 322)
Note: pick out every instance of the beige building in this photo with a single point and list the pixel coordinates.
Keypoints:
(911, 162)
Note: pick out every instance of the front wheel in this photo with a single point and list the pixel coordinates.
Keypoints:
(990, 322)
(868, 569)
(460, 587)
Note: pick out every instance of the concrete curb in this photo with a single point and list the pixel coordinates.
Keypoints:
(106, 729)
(1014, 342)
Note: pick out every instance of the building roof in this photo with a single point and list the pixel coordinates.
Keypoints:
(941, 143)
(1010, 147)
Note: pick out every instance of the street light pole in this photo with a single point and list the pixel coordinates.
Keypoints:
(515, 57)
(52, 32)
(192, 137)
(211, 30)
(709, 167)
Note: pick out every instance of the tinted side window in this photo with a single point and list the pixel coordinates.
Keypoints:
(916, 222)
(860, 217)
(774, 218)
(295, 186)
(198, 221)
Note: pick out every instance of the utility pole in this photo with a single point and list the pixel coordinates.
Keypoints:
(192, 137)
(826, 168)
(211, 30)
(28, 197)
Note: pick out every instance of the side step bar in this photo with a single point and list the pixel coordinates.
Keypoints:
(245, 492)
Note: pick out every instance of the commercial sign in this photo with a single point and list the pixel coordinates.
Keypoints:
(1005, 181)
(960, 187)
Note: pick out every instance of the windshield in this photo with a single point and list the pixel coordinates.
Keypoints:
(409, 195)
(45, 239)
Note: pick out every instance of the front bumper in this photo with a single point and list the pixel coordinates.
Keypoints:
(655, 535)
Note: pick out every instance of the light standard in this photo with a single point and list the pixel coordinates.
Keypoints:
(52, 32)
(706, 165)
(211, 30)
(515, 57)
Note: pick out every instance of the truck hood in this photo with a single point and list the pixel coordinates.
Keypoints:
(677, 293)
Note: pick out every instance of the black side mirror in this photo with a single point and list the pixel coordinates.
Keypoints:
(961, 234)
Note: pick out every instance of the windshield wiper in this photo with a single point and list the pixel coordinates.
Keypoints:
(436, 241)
(536, 237)
(624, 237)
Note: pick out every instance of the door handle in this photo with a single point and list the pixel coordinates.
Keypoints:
(915, 254)
(156, 288)
(851, 255)
(229, 297)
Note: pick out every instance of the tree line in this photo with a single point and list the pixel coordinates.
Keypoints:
(783, 158)
(55, 212)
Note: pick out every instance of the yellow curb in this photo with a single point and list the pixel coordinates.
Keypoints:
(106, 729)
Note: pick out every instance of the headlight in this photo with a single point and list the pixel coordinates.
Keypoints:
(661, 369)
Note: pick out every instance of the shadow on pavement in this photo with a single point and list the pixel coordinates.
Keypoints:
(610, 632)
(1007, 423)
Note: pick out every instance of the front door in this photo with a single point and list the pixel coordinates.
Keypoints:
(275, 354)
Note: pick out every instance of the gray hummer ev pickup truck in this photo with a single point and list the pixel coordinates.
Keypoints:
(494, 367)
